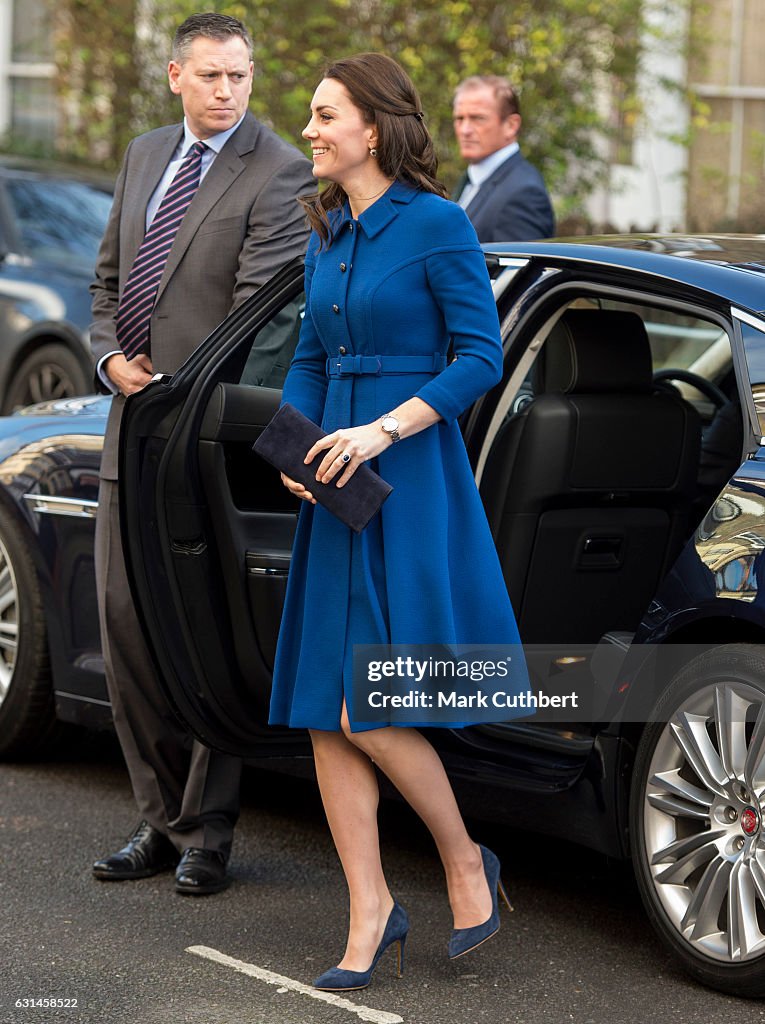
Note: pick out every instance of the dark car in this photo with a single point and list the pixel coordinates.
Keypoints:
(51, 223)
(621, 468)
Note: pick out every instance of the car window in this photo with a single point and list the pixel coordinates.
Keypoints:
(273, 346)
(678, 341)
(681, 341)
(60, 222)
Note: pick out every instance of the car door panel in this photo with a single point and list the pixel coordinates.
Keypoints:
(209, 526)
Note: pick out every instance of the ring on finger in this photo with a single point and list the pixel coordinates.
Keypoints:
(345, 457)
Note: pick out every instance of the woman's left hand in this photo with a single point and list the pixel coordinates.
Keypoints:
(346, 450)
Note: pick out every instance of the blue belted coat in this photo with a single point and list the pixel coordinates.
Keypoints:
(383, 302)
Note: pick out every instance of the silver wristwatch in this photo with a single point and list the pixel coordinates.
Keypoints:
(389, 424)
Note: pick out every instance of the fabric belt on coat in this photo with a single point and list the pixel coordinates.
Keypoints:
(376, 366)
(342, 370)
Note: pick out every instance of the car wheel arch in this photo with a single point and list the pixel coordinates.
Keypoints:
(711, 633)
(68, 345)
(62, 334)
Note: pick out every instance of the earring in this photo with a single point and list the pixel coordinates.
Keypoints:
(373, 152)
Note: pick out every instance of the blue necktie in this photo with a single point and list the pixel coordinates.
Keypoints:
(140, 291)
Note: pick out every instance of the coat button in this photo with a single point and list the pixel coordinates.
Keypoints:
(335, 308)
(343, 268)
(342, 350)
(350, 228)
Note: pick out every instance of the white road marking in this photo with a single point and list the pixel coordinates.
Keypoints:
(288, 985)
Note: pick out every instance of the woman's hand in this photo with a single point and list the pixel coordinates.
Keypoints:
(297, 489)
(346, 450)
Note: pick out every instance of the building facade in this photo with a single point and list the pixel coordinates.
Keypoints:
(726, 160)
(27, 71)
(697, 155)
(679, 164)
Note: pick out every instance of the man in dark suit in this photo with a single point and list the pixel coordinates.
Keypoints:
(204, 213)
(502, 194)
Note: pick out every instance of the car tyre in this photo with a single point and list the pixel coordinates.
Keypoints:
(696, 818)
(27, 710)
(48, 373)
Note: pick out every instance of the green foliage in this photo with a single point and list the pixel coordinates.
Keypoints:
(559, 53)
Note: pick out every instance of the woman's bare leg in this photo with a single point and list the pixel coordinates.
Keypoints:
(350, 795)
(415, 769)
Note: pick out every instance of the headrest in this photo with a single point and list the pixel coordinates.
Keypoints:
(590, 351)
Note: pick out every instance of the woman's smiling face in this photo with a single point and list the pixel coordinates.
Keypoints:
(340, 138)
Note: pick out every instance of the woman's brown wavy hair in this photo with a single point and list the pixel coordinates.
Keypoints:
(387, 98)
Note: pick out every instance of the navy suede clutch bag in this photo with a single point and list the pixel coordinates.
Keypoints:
(285, 442)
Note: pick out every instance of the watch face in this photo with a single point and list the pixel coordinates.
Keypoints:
(389, 424)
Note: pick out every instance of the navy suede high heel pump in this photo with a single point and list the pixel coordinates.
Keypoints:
(336, 979)
(464, 940)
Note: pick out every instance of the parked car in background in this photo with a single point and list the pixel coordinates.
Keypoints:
(622, 468)
(51, 223)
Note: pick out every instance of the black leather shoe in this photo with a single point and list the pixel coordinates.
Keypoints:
(200, 872)
(147, 853)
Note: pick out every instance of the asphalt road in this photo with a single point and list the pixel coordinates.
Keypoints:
(577, 948)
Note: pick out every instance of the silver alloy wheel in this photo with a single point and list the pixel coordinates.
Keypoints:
(9, 621)
(703, 821)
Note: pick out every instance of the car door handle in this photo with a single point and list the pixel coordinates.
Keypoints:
(273, 564)
(603, 552)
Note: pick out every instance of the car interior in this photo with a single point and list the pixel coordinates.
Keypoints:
(604, 464)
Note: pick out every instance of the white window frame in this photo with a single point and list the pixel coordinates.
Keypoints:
(10, 69)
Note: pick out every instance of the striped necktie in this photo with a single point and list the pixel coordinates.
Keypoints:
(140, 291)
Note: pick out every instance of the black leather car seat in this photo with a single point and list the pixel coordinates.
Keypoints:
(588, 488)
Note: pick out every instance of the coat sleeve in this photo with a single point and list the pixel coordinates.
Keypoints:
(460, 284)
(306, 383)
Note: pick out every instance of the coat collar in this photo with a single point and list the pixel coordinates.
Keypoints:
(380, 214)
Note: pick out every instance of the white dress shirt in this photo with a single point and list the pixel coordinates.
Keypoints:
(481, 171)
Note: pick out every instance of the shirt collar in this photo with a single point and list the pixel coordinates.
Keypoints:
(479, 172)
(215, 142)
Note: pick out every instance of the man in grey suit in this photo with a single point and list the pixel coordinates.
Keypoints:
(502, 194)
(204, 213)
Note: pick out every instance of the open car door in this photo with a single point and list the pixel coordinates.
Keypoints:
(208, 526)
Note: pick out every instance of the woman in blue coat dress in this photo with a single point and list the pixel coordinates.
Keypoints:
(394, 274)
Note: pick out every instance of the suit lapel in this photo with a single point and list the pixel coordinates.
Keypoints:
(225, 169)
(147, 179)
(484, 193)
(459, 188)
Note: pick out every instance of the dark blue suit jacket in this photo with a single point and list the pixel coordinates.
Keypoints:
(512, 205)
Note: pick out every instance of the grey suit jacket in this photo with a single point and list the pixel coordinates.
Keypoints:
(243, 224)
(512, 205)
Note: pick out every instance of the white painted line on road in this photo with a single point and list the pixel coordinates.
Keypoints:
(364, 1012)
